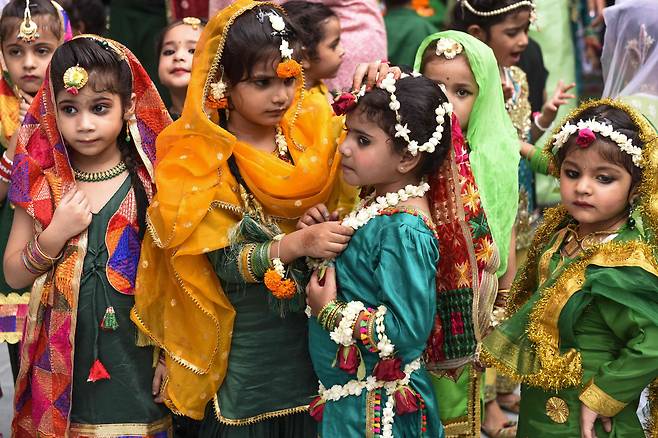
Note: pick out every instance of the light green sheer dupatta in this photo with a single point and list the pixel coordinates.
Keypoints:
(492, 140)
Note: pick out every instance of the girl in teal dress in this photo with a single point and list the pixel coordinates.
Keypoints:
(82, 181)
(583, 335)
(373, 313)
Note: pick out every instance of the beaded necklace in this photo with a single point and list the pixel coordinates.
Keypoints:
(103, 175)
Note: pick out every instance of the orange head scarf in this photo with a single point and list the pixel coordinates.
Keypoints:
(180, 303)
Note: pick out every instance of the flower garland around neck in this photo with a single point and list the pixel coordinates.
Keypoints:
(368, 209)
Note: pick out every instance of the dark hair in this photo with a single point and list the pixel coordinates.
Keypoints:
(107, 73)
(609, 150)
(307, 19)
(462, 18)
(90, 13)
(419, 97)
(251, 40)
(163, 33)
(43, 13)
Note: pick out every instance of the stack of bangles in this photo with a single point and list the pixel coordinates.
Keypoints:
(5, 168)
(35, 260)
(254, 261)
(332, 313)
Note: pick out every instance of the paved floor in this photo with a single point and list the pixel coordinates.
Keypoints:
(7, 385)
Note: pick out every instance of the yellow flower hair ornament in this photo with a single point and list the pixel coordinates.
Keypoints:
(74, 79)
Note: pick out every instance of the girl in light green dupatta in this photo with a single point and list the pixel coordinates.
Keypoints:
(467, 68)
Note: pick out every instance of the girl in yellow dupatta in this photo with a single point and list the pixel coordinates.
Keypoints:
(246, 159)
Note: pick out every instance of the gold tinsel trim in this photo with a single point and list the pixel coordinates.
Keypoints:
(525, 282)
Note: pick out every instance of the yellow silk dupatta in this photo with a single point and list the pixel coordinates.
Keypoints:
(180, 303)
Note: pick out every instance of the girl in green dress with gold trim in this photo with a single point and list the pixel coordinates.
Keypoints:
(583, 335)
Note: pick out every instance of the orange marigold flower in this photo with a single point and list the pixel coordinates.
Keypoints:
(288, 69)
(280, 288)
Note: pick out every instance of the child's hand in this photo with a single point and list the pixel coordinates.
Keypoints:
(373, 73)
(559, 98)
(588, 418)
(72, 216)
(24, 105)
(159, 378)
(325, 240)
(316, 215)
(320, 292)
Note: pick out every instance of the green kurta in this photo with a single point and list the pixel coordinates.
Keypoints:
(613, 322)
(269, 370)
(391, 261)
(126, 397)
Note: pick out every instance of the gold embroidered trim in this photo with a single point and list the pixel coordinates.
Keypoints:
(599, 401)
(256, 418)
(79, 430)
(557, 410)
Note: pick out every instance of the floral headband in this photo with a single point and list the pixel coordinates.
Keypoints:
(347, 101)
(506, 9)
(586, 136)
(448, 47)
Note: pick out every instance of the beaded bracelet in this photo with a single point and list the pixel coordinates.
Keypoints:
(365, 329)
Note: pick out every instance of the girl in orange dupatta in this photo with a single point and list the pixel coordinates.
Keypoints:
(81, 184)
(219, 287)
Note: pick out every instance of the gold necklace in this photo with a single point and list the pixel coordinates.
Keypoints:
(576, 244)
(103, 175)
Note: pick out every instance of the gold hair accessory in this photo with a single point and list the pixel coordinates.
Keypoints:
(28, 31)
(192, 21)
(75, 78)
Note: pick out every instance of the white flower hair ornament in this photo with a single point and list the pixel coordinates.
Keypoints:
(403, 131)
(586, 130)
(448, 48)
(288, 67)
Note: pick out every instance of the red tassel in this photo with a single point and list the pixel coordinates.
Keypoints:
(98, 372)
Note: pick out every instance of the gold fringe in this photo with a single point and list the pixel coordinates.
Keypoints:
(256, 418)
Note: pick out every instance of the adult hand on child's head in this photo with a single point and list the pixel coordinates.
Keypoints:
(24, 104)
(72, 216)
(560, 97)
(372, 73)
(314, 215)
(325, 240)
(588, 418)
(320, 291)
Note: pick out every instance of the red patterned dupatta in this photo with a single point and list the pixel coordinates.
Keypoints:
(42, 174)
(466, 282)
